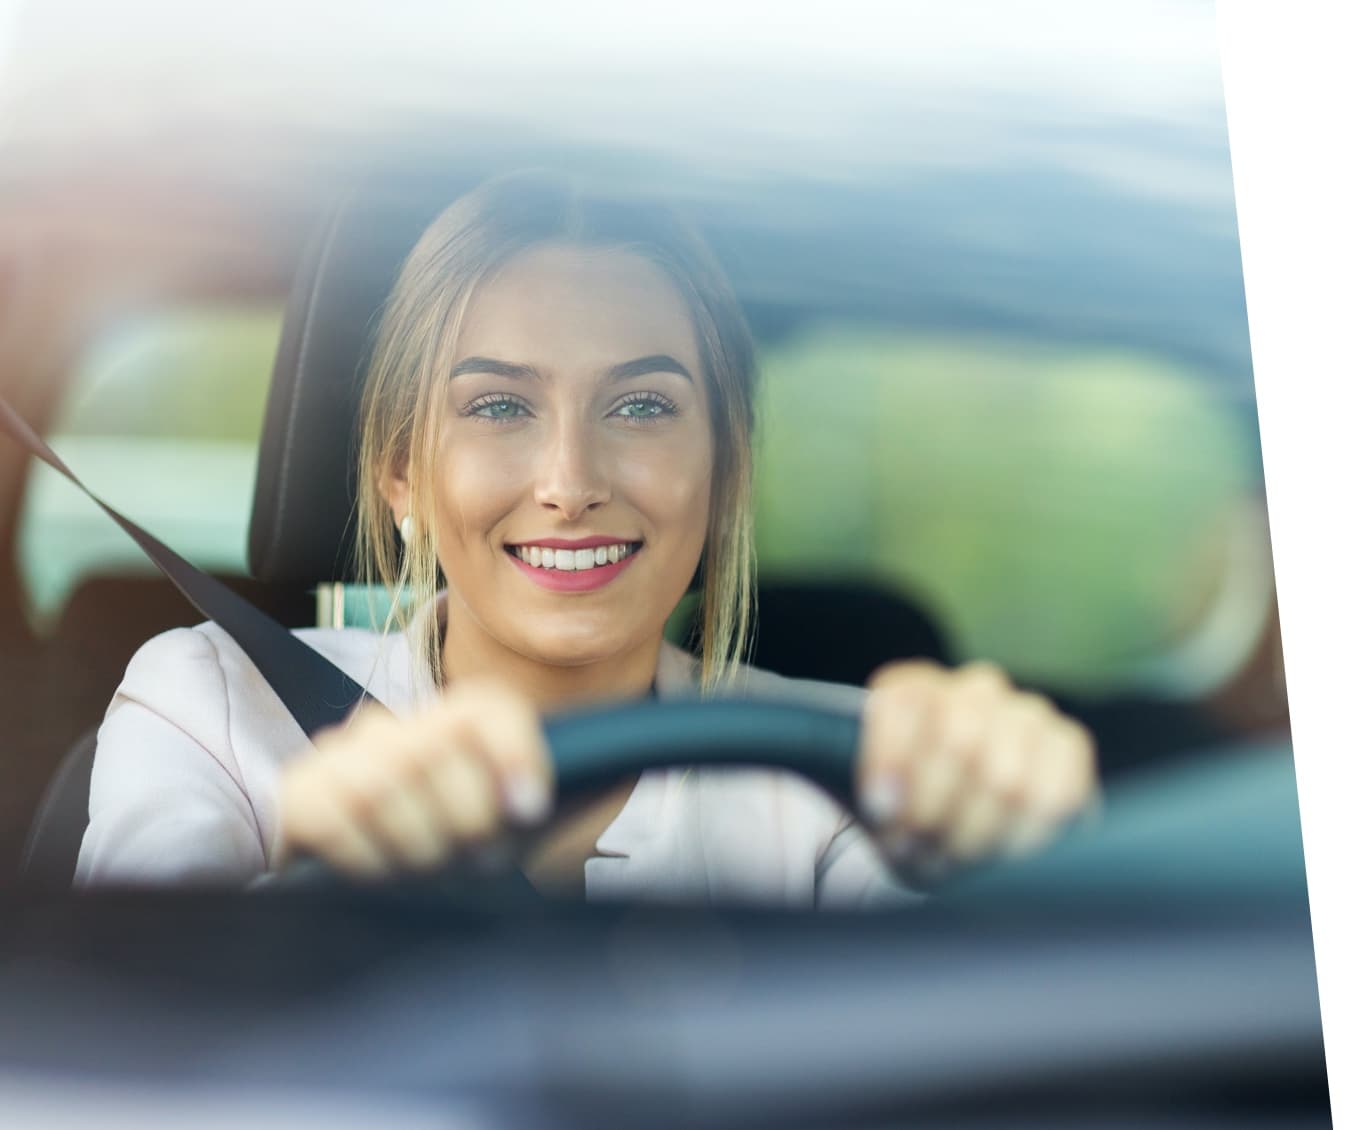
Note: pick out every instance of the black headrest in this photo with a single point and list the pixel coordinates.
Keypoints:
(302, 527)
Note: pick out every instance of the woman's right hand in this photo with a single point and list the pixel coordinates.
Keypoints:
(380, 794)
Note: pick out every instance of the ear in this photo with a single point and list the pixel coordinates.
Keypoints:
(394, 486)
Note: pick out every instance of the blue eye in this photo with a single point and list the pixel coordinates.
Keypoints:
(645, 407)
(497, 408)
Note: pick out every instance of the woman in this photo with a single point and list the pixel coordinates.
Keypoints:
(557, 421)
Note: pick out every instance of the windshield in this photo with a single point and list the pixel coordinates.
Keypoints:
(1004, 421)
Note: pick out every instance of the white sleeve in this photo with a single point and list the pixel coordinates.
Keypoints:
(851, 875)
(167, 802)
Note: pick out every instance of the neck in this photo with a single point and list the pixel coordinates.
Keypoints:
(468, 651)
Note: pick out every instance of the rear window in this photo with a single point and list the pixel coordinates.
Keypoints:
(1073, 512)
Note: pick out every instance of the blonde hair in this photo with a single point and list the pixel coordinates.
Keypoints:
(414, 349)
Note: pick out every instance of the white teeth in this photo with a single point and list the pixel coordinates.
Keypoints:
(570, 560)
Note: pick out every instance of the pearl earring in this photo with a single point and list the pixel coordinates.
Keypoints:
(405, 529)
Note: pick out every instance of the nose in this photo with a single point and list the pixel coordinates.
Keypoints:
(572, 478)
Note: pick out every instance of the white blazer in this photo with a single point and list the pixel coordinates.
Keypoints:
(185, 783)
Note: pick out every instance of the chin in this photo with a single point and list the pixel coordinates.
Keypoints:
(576, 647)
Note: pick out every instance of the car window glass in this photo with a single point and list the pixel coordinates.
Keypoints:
(1061, 509)
(162, 420)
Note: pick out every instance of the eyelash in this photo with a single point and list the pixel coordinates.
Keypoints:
(665, 406)
(474, 408)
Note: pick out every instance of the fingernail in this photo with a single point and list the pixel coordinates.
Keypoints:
(881, 798)
(527, 799)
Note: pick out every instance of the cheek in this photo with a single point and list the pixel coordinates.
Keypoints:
(671, 486)
(476, 484)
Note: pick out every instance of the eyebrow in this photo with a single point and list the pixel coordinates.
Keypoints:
(494, 368)
(655, 363)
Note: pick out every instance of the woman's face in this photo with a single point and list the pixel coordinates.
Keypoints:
(573, 466)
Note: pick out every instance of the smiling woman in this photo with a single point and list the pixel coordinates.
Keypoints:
(555, 440)
(567, 337)
(584, 454)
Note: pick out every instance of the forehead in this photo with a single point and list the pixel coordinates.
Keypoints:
(565, 306)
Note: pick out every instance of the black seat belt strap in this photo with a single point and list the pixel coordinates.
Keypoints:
(315, 691)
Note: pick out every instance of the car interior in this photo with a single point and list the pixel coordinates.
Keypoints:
(300, 547)
(1005, 416)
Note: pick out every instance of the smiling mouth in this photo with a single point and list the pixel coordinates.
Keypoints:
(573, 560)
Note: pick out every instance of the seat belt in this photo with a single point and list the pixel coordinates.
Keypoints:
(313, 689)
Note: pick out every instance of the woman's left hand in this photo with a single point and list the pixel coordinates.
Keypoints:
(958, 764)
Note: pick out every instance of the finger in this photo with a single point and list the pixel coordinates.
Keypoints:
(1064, 774)
(465, 796)
(317, 823)
(972, 697)
(406, 821)
(934, 784)
(1062, 780)
(1011, 745)
(379, 779)
(897, 720)
(988, 817)
(902, 673)
(502, 727)
(979, 823)
(949, 773)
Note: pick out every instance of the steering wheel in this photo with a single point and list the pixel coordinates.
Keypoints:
(592, 748)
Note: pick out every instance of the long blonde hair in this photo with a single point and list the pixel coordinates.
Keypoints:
(414, 350)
